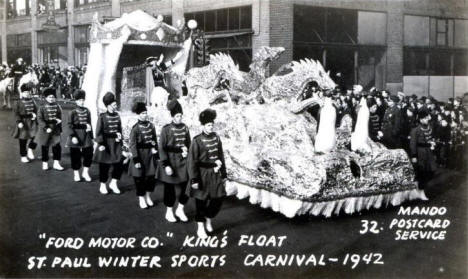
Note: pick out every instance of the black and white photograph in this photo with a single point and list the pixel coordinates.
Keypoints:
(234, 139)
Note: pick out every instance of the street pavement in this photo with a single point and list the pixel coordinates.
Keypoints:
(35, 202)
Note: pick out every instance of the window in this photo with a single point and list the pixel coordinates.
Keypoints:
(82, 34)
(439, 62)
(231, 19)
(372, 28)
(442, 31)
(416, 30)
(342, 26)
(81, 55)
(210, 21)
(435, 62)
(19, 45)
(17, 8)
(234, 19)
(309, 24)
(19, 40)
(239, 47)
(461, 63)
(415, 62)
(57, 37)
(49, 54)
(222, 20)
(325, 25)
(84, 2)
(461, 33)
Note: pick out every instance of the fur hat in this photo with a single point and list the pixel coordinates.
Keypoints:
(370, 102)
(207, 116)
(108, 99)
(49, 91)
(79, 94)
(422, 114)
(174, 107)
(138, 107)
(25, 87)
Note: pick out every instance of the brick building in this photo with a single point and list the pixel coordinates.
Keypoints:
(419, 46)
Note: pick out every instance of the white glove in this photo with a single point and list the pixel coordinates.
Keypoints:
(101, 148)
(88, 128)
(138, 165)
(218, 163)
(74, 140)
(58, 120)
(20, 125)
(168, 170)
(379, 134)
(153, 150)
(195, 186)
(33, 116)
(49, 130)
(119, 137)
(414, 160)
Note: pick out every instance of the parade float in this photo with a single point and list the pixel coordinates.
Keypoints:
(275, 155)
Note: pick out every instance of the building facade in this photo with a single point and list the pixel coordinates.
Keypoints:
(418, 46)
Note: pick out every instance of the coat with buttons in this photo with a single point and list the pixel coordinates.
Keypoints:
(109, 135)
(204, 151)
(49, 116)
(142, 144)
(391, 127)
(79, 121)
(173, 138)
(25, 113)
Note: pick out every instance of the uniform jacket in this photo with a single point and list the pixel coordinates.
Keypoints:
(173, 137)
(204, 151)
(109, 135)
(391, 127)
(78, 120)
(25, 110)
(47, 117)
(142, 141)
(421, 148)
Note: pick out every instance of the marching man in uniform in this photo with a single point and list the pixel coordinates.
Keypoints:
(143, 147)
(172, 169)
(26, 124)
(50, 129)
(391, 124)
(207, 173)
(80, 139)
(109, 140)
(422, 146)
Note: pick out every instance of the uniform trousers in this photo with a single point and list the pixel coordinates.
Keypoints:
(144, 184)
(117, 169)
(56, 152)
(77, 154)
(23, 143)
(170, 194)
(207, 208)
